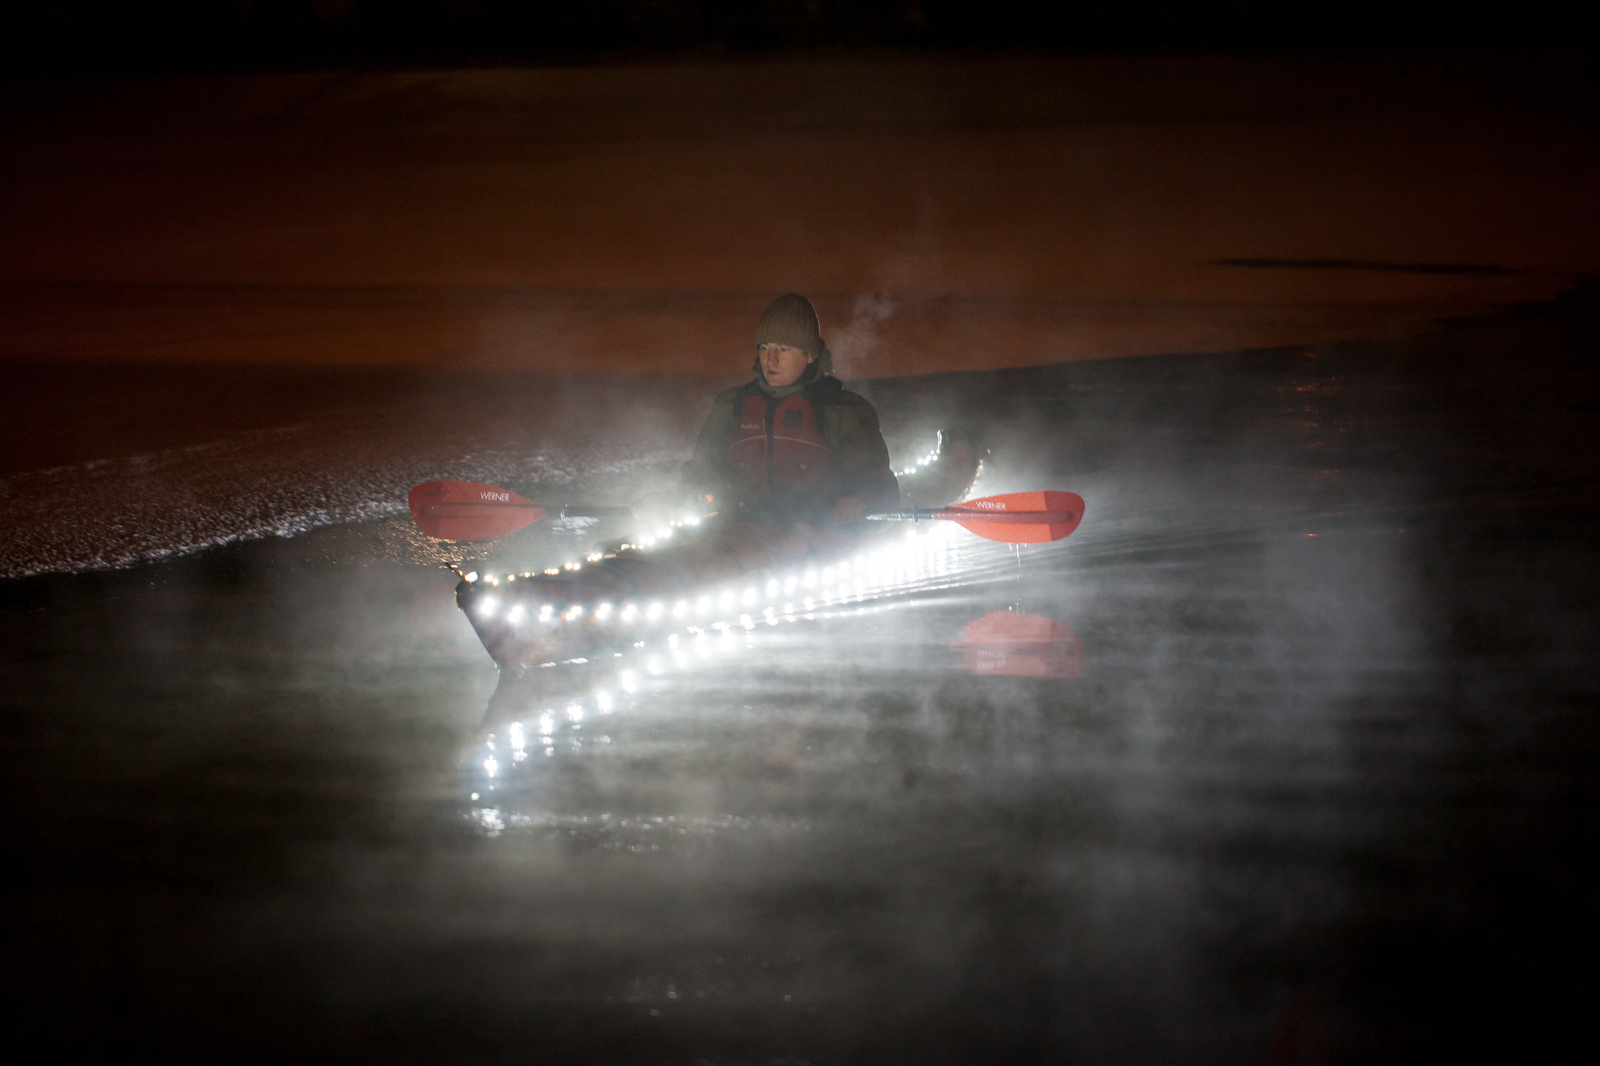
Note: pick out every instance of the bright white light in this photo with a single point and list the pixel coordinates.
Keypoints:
(471, 577)
(680, 608)
(744, 620)
(703, 605)
(602, 700)
(630, 612)
(791, 584)
(629, 684)
(519, 739)
(725, 601)
(516, 614)
(749, 596)
(545, 611)
(672, 641)
(656, 610)
(772, 587)
(809, 578)
(603, 610)
(547, 724)
(490, 766)
(486, 607)
(575, 712)
(574, 612)
(827, 575)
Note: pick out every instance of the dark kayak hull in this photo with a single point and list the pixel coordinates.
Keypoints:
(533, 619)
(611, 602)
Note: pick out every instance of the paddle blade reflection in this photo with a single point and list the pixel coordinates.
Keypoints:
(1024, 645)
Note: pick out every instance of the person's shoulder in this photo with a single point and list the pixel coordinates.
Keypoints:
(855, 402)
(853, 415)
(730, 394)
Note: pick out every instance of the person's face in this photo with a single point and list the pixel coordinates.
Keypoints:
(782, 365)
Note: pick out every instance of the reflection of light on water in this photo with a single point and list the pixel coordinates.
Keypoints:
(636, 834)
(557, 713)
(661, 639)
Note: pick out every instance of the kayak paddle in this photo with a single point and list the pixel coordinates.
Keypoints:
(470, 510)
(1012, 518)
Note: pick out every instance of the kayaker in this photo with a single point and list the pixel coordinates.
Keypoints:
(793, 444)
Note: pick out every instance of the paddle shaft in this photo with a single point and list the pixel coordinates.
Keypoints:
(963, 514)
(470, 510)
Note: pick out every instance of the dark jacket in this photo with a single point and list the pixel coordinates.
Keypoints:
(849, 427)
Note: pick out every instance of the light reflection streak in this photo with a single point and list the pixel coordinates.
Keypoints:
(501, 785)
(939, 557)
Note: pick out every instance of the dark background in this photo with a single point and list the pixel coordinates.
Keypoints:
(220, 35)
(1349, 575)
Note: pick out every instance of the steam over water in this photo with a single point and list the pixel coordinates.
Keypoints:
(1286, 755)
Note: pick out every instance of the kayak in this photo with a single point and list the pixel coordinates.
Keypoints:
(683, 573)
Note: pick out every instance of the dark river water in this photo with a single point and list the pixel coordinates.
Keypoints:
(1287, 755)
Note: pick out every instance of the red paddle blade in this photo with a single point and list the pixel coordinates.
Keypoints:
(468, 510)
(1021, 517)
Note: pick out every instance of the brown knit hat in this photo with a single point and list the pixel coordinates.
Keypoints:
(793, 321)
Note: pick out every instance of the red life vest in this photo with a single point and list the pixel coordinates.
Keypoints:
(778, 451)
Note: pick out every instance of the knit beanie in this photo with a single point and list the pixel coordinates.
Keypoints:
(791, 320)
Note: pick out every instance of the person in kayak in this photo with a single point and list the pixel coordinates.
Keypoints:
(793, 444)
